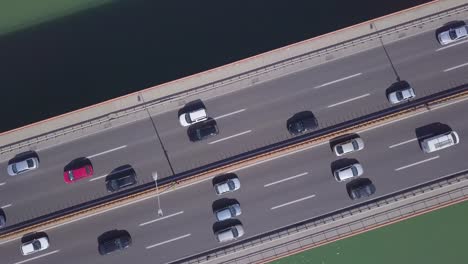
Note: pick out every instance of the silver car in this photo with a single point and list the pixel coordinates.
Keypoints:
(229, 185)
(228, 212)
(23, 166)
(230, 233)
(348, 172)
(401, 95)
(452, 35)
(352, 145)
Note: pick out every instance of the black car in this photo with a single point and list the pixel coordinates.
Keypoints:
(110, 245)
(121, 179)
(302, 122)
(360, 188)
(202, 130)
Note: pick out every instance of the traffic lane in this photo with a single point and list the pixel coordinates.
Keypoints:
(54, 194)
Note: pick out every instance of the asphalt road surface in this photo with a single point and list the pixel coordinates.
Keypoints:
(272, 195)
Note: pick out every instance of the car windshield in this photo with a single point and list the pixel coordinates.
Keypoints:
(339, 149)
(299, 126)
(234, 232)
(355, 145)
(30, 163)
(231, 185)
(36, 245)
(187, 118)
(399, 95)
(15, 170)
(354, 170)
(453, 34)
(70, 175)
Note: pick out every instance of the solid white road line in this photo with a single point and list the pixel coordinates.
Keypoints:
(6, 206)
(97, 178)
(161, 218)
(402, 143)
(295, 201)
(168, 241)
(416, 163)
(286, 179)
(453, 45)
(456, 67)
(107, 151)
(226, 138)
(233, 113)
(2, 183)
(349, 100)
(339, 80)
(36, 257)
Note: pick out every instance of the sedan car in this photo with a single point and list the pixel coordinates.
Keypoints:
(348, 172)
(192, 117)
(228, 212)
(121, 179)
(360, 188)
(35, 245)
(301, 123)
(23, 166)
(229, 185)
(73, 175)
(202, 130)
(115, 243)
(230, 233)
(349, 146)
(401, 95)
(452, 34)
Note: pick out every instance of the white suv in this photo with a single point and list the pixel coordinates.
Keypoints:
(192, 117)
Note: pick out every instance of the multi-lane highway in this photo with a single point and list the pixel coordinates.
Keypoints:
(247, 119)
(272, 194)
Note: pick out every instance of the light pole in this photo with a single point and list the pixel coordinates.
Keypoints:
(155, 178)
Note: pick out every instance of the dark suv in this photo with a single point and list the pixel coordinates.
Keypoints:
(110, 245)
(360, 188)
(301, 122)
(202, 130)
(121, 179)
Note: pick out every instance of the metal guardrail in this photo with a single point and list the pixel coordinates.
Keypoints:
(344, 229)
(234, 79)
(277, 147)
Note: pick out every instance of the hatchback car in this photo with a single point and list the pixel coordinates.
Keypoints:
(349, 146)
(360, 188)
(23, 166)
(230, 233)
(228, 212)
(192, 117)
(453, 34)
(229, 185)
(115, 243)
(401, 95)
(202, 130)
(121, 179)
(301, 124)
(348, 172)
(73, 175)
(35, 245)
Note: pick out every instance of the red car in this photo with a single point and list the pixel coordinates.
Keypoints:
(75, 174)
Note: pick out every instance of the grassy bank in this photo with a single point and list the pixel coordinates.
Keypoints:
(437, 237)
(20, 14)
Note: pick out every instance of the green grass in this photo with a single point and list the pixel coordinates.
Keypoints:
(439, 237)
(20, 14)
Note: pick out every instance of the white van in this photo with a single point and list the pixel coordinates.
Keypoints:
(439, 142)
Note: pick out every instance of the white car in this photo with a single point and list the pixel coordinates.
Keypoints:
(452, 35)
(401, 95)
(35, 245)
(348, 172)
(23, 166)
(192, 117)
(230, 233)
(227, 186)
(349, 146)
(228, 212)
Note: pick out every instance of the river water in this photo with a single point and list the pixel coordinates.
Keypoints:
(129, 45)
